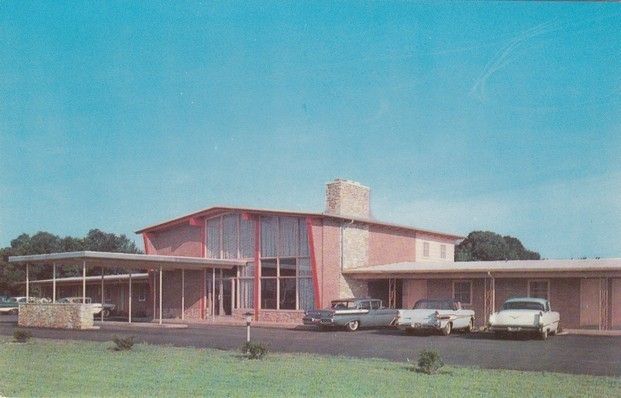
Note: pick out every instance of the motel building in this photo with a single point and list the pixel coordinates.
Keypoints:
(224, 262)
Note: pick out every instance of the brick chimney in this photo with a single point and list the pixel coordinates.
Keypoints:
(347, 198)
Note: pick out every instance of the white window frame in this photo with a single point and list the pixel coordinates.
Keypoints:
(547, 281)
(443, 251)
(463, 281)
(426, 249)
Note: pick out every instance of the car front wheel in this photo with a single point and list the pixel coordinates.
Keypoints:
(447, 329)
(543, 334)
(352, 326)
(470, 326)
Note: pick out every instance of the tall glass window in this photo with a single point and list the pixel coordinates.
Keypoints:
(286, 277)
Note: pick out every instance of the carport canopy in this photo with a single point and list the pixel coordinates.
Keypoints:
(121, 260)
(125, 260)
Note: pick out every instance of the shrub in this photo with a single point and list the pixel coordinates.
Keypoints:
(21, 336)
(429, 362)
(254, 350)
(123, 343)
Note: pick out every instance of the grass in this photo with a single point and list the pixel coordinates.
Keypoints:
(81, 368)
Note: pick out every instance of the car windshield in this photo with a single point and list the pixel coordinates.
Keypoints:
(433, 305)
(343, 305)
(523, 305)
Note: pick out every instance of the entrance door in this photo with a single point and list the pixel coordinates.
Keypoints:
(589, 303)
(224, 293)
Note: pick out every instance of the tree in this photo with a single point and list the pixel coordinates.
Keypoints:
(45, 242)
(489, 246)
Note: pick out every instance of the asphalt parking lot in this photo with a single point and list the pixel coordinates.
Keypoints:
(595, 355)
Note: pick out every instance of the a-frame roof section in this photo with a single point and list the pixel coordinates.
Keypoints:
(217, 210)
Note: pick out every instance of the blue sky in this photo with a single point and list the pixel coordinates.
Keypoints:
(460, 116)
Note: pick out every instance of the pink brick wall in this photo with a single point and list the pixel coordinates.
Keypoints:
(330, 252)
(390, 245)
(182, 240)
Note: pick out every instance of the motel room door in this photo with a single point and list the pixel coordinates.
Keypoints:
(590, 303)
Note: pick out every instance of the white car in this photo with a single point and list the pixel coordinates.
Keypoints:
(523, 315)
(443, 315)
(96, 307)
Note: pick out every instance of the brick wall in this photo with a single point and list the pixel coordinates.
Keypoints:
(330, 259)
(182, 240)
(390, 245)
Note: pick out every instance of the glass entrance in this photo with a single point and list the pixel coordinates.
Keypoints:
(221, 291)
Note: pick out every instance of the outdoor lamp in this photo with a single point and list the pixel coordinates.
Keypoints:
(248, 320)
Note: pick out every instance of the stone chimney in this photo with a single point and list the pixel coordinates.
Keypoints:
(347, 198)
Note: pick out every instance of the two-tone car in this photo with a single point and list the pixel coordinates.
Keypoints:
(96, 307)
(351, 314)
(11, 304)
(525, 315)
(444, 315)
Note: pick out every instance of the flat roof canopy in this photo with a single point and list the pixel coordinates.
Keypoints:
(125, 260)
(608, 266)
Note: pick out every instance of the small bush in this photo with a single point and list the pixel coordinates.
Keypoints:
(123, 343)
(429, 362)
(254, 350)
(21, 336)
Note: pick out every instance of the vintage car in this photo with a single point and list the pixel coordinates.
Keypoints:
(11, 305)
(97, 307)
(352, 314)
(523, 315)
(443, 315)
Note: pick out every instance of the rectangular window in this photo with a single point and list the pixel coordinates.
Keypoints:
(142, 293)
(230, 236)
(213, 238)
(303, 243)
(425, 249)
(269, 232)
(305, 289)
(288, 236)
(246, 238)
(287, 293)
(269, 294)
(539, 289)
(246, 293)
(442, 251)
(462, 291)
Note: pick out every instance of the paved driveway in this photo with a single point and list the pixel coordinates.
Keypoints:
(569, 354)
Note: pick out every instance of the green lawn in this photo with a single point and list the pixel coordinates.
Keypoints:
(79, 368)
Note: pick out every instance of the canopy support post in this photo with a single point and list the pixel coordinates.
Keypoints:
(53, 282)
(84, 282)
(160, 294)
(130, 298)
(27, 282)
(102, 293)
(182, 294)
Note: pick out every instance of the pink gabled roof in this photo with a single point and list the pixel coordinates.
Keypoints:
(216, 210)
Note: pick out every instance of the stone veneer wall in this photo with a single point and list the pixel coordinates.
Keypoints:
(57, 316)
(355, 254)
(281, 316)
(347, 198)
